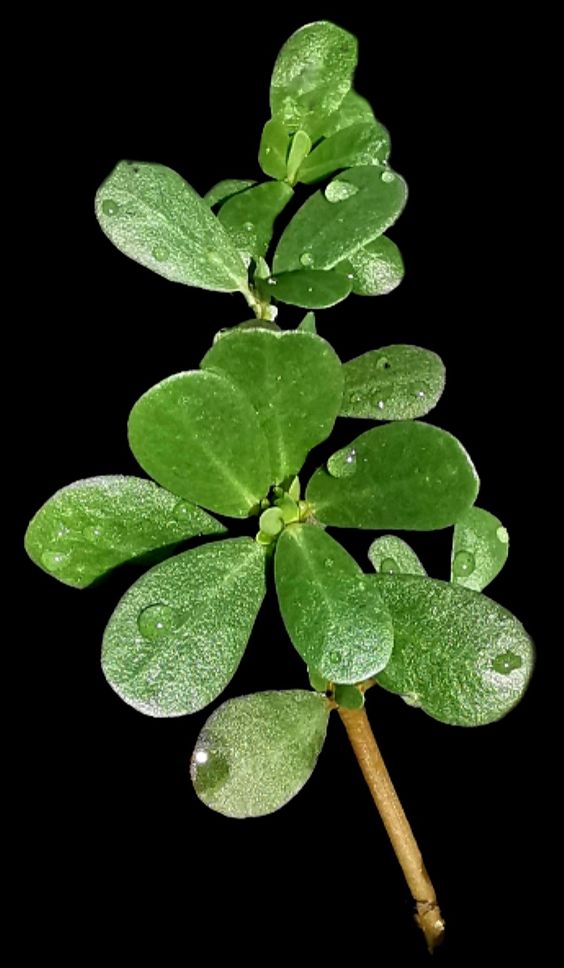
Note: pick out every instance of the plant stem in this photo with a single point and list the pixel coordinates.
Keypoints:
(370, 760)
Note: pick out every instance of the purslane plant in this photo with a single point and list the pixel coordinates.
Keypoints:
(232, 437)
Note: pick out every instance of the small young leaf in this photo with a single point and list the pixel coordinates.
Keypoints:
(92, 526)
(354, 209)
(408, 476)
(307, 324)
(334, 619)
(299, 150)
(359, 144)
(273, 151)
(256, 752)
(377, 268)
(390, 555)
(294, 382)
(354, 109)
(464, 659)
(393, 383)
(479, 549)
(307, 288)
(316, 680)
(312, 74)
(177, 636)
(153, 216)
(249, 217)
(226, 189)
(198, 435)
(349, 697)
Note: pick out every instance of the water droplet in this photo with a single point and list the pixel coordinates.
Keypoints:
(310, 288)
(249, 227)
(109, 207)
(306, 259)
(387, 177)
(267, 151)
(93, 533)
(421, 393)
(464, 563)
(335, 656)
(54, 560)
(182, 511)
(337, 191)
(157, 620)
(271, 281)
(342, 463)
(200, 756)
(382, 363)
(209, 770)
(328, 562)
(506, 662)
(389, 566)
(381, 404)
(160, 253)
(502, 535)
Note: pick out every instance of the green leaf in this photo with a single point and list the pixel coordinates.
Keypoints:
(307, 324)
(390, 555)
(226, 189)
(153, 216)
(393, 383)
(198, 435)
(334, 618)
(359, 144)
(377, 268)
(294, 383)
(274, 147)
(354, 109)
(256, 752)
(312, 74)
(177, 636)
(349, 697)
(407, 476)
(464, 659)
(249, 217)
(365, 202)
(299, 150)
(479, 549)
(316, 680)
(90, 527)
(307, 288)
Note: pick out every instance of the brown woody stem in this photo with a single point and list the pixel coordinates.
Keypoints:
(366, 750)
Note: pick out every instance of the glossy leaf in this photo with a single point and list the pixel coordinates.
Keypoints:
(312, 74)
(307, 324)
(226, 189)
(307, 288)
(177, 636)
(294, 382)
(299, 150)
(359, 144)
(354, 109)
(153, 216)
(198, 435)
(407, 476)
(393, 383)
(92, 526)
(479, 549)
(256, 752)
(464, 659)
(274, 147)
(249, 216)
(331, 612)
(390, 555)
(366, 202)
(377, 268)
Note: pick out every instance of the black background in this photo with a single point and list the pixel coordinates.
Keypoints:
(118, 848)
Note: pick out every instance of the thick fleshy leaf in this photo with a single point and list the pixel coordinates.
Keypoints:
(332, 612)
(359, 144)
(177, 636)
(226, 189)
(153, 216)
(294, 382)
(479, 549)
(461, 657)
(312, 74)
(299, 150)
(256, 752)
(403, 476)
(274, 147)
(377, 268)
(390, 555)
(307, 288)
(354, 209)
(354, 109)
(307, 324)
(349, 697)
(198, 435)
(393, 383)
(249, 216)
(94, 525)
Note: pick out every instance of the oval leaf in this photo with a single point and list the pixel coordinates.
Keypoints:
(479, 549)
(256, 752)
(199, 436)
(299, 150)
(307, 324)
(354, 109)
(390, 555)
(226, 189)
(92, 526)
(461, 657)
(153, 216)
(249, 216)
(333, 616)
(406, 476)
(294, 382)
(325, 232)
(177, 636)
(377, 268)
(274, 147)
(356, 145)
(393, 383)
(307, 288)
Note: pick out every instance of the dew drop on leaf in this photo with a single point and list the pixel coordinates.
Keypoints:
(306, 259)
(329, 563)
(389, 567)
(464, 563)
(506, 662)
(388, 177)
(157, 620)
(502, 535)
(182, 511)
(343, 463)
(53, 560)
(160, 253)
(209, 770)
(337, 191)
(335, 657)
(93, 532)
(109, 207)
